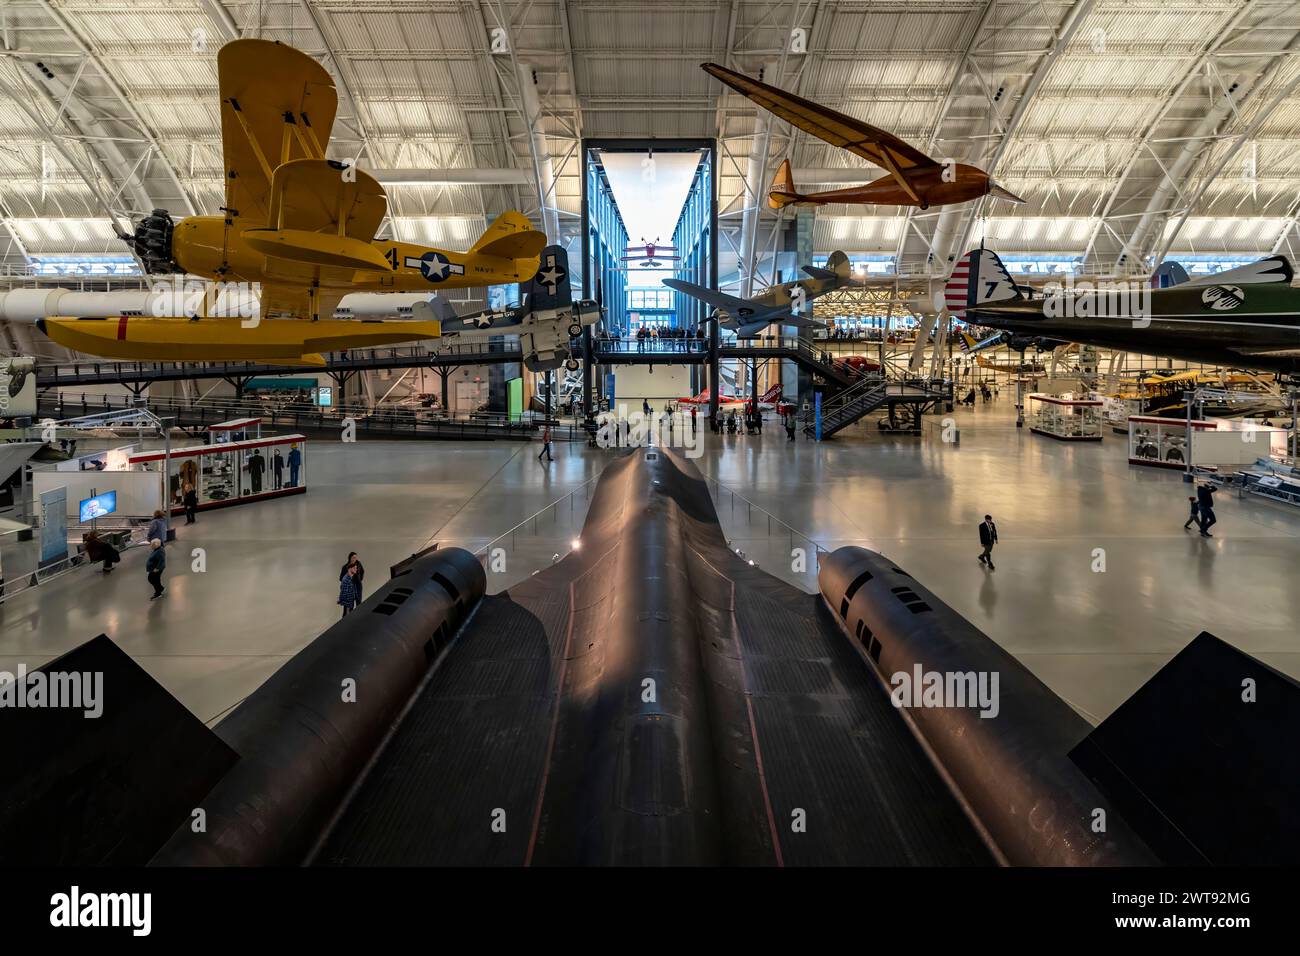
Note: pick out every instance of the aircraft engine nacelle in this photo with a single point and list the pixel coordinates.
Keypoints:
(152, 243)
(205, 246)
(587, 312)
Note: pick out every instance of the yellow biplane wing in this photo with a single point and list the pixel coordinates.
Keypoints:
(277, 105)
(511, 236)
(322, 213)
(862, 139)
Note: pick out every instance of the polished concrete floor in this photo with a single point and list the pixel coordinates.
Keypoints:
(1094, 636)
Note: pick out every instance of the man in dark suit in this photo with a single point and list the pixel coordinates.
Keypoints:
(1205, 498)
(988, 538)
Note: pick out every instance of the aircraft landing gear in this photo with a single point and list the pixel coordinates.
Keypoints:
(571, 364)
(575, 330)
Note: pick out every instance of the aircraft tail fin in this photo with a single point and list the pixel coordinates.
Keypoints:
(1169, 274)
(550, 288)
(837, 267)
(435, 308)
(1271, 269)
(511, 236)
(783, 192)
(773, 394)
(978, 278)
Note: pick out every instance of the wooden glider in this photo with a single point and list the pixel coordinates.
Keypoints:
(914, 178)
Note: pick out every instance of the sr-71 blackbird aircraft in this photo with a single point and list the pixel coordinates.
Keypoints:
(1243, 318)
(776, 304)
(298, 224)
(914, 178)
(547, 320)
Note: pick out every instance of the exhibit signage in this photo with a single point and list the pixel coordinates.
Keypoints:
(54, 525)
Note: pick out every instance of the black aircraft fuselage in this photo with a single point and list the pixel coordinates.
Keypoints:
(1255, 326)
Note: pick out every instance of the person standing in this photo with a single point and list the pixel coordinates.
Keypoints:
(988, 538)
(1205, 498)
(546, 444)
(277, 467)
(693, 425)
(354, 561)
(349, 591)
(154, 566)
(157, 528)
(1195, 516)
(789, 426)
(190, 498)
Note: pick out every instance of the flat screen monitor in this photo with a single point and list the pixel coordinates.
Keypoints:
(98, 506)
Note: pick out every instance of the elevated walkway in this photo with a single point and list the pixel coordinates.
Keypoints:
(137, 375)
(398, 422)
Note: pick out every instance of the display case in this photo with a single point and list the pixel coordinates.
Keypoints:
(1067, 419)
(237, 429)
(1162, 442)
(230, 472)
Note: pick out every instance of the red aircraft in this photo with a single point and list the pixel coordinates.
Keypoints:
(651, 255)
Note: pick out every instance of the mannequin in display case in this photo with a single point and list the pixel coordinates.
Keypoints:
(256, 468)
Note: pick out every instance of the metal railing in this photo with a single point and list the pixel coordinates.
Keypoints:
(25, 581)
(53, 375)
(536, 518)
(398, 422)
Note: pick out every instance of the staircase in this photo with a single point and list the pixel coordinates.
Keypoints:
(849, 406)
(815, 361)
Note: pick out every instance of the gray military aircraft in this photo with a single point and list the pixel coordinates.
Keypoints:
(547, 320)
(774, 305)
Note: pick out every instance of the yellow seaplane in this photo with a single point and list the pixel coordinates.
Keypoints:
(296, 227)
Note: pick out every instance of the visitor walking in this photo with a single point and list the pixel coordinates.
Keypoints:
(354, 562)
(988, 538)
(157, 528)
(154, 566)
(349, 590)
(1205, 498)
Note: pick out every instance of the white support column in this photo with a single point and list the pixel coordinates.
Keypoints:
(755, 175)
(543, 171)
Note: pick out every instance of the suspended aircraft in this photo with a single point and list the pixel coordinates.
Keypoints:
(547, 320)
(776, 304)
(301, 226)
(914, 179)
(650, 255)
(1247, 317)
